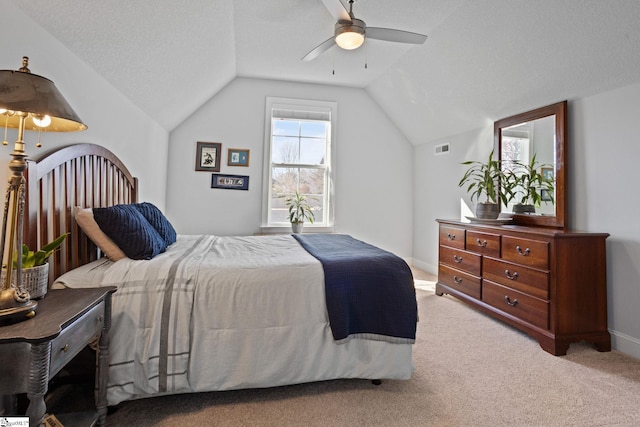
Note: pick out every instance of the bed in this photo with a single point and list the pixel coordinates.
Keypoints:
(214, 313)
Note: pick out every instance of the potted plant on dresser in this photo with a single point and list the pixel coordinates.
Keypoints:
(484, 179)
(35, 268)
(299, 211)
(529, 185)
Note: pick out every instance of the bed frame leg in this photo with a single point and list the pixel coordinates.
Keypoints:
(376, 382)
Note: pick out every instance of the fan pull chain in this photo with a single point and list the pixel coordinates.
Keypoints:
(366, 54)
(38, 144)
(333, 62)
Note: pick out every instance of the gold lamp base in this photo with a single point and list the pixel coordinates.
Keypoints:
(12, 311)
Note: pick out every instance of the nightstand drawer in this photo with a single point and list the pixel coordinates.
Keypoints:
(75, 337)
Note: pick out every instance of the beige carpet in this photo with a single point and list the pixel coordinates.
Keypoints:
(469, 371)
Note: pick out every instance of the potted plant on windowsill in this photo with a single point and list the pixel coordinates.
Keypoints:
(485, 178)
(528, 184)
(35, 268)
(299, 211)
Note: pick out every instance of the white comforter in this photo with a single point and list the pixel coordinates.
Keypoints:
(220, 313)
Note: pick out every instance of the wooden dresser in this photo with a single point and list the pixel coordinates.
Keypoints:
(549, 283)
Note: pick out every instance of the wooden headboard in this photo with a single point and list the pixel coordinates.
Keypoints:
(85, 175)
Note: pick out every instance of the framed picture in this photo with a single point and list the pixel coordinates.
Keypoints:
(208, 156)
(547, 173)
(237, 157)
(230, 182)
(545, 195)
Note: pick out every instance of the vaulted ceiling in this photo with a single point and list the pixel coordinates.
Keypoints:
(483, 60)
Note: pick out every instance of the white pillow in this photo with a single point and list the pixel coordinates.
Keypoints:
(84, 218)
(86, 276)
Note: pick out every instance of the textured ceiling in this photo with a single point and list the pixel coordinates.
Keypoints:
(483, 60)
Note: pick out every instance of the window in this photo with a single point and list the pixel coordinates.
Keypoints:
(516, 141)
(298, 157)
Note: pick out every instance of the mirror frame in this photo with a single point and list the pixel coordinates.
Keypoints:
(560, 111)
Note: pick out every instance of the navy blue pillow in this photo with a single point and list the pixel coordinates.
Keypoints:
(129, 229)
(157, 219)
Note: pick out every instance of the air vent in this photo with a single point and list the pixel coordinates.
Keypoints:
(441, 149)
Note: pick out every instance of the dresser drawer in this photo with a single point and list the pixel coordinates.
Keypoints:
(73, 339)
(483, 243)
(462, 260)
(530, 309)
(519, 277)
(452, 236)
(532, 253)
(459, 280)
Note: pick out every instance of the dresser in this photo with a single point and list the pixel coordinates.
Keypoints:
(549, 283)
(34, 350)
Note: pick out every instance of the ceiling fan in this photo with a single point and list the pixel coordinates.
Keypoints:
(350, 32)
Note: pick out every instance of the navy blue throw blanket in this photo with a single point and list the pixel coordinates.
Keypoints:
(369, 291)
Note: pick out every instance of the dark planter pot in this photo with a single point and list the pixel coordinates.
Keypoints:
(524, 209)
(487, 210)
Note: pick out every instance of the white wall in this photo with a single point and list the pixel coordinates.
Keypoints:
(436, 191)
(374, 168)
(113, 121)
(603, 153)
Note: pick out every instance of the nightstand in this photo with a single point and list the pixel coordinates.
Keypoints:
(34, 350)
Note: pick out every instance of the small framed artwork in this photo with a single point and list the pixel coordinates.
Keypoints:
(237, 157)
(208, 156)
(230, 182)
(545, 195)
(547, 173)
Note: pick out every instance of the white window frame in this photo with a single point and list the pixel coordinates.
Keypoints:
(302, 105)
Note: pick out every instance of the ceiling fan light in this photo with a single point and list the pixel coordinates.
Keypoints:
(350, 35)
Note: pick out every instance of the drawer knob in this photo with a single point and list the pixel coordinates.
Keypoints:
(451, 236)
(65, 348)
(510, 276)
(457, 279)
(509, 302)
(481, 243)
(457, 259)
(521, 252)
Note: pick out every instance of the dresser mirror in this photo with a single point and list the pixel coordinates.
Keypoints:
(540, 132)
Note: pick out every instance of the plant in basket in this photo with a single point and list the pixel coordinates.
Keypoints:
(35, 269)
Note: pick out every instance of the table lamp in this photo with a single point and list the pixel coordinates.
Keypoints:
(27, 102)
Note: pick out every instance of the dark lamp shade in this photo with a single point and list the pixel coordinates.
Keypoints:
(31, 93)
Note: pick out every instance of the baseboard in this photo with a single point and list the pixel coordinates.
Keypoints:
(625, 344)
(425, 266)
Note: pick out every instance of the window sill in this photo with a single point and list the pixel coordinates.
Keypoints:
(287, 229)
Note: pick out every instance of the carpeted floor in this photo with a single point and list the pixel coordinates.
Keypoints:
(469, 370)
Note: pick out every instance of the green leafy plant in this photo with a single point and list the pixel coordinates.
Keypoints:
(527, 183)
(485, 178)
(299, 209)
(35, 258)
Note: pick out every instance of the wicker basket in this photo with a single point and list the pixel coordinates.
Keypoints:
(35, 280)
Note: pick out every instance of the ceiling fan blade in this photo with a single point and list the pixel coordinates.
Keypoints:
(321, 48)
(398, 36)
(337, 10)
